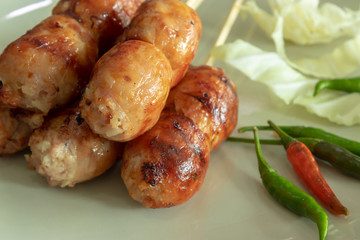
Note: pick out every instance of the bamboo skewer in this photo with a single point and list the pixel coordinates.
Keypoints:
(224, 33)
(194, 4)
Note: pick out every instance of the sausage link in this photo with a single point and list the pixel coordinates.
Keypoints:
(66, 152)
(166, 166)
(105, 19)
(48, 66)
(173, 27)
(127, 91)
(208, 97)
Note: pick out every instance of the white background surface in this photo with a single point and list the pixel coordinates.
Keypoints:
(232, 203)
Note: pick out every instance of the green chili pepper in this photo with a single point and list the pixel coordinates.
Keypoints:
(347, 85)
(290, 196)
(301, 131)
(337, 156)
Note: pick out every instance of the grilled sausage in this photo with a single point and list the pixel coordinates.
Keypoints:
(105, 19)
(48, 66)
(208, 97)
(167, 165)
(66, 152)
(173, 27)
(127, 91)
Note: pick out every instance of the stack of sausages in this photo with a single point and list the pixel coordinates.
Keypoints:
(131, 82)
(47, 67)
(125, 111)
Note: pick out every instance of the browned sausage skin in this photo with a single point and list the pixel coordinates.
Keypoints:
(127, 91)
(14, 133)
(48, 66)
(173, 27)
(167, 165)
(200, 113)
(66, 152)
(208, 97)
(106, 19)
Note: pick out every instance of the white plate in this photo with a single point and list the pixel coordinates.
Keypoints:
(232, 203)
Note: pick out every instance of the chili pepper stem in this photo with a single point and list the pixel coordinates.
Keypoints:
(286, 139)
(250, 128)
(250, 140)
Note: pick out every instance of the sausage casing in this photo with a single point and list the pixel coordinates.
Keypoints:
(48, 66)
(173, 27)
(127, 91)
(65, 151)
(166, 165)
(14, 133)
(208, 97)
(105, 19)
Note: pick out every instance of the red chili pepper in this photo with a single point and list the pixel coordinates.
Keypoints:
(305, 166)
